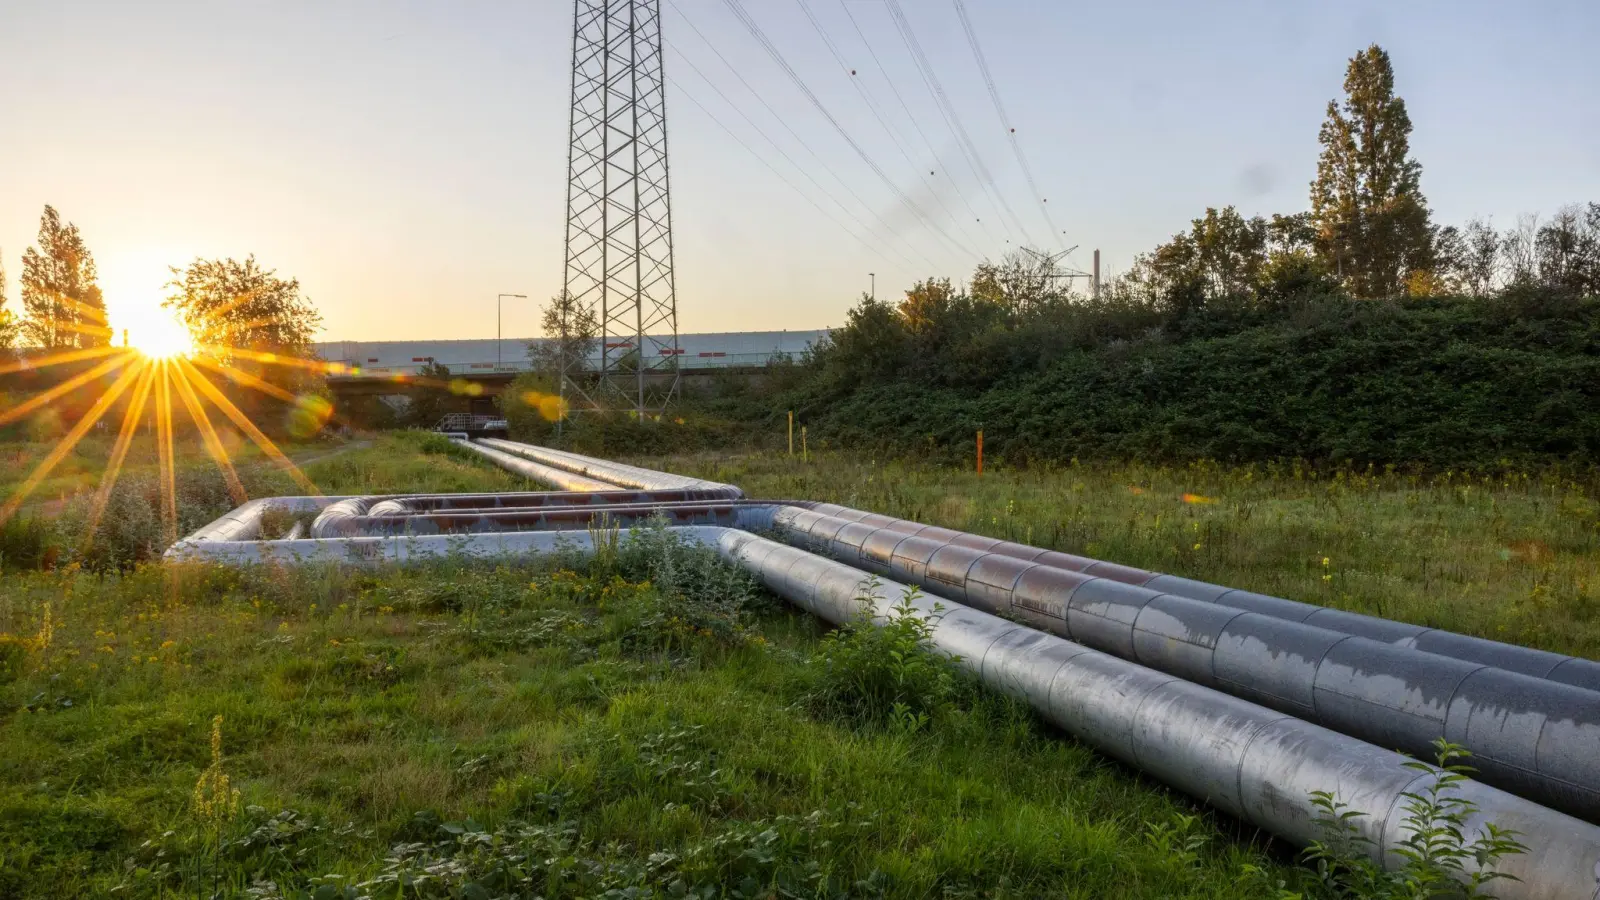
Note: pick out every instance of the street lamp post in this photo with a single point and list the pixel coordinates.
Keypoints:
(497, 325)
(874, 277)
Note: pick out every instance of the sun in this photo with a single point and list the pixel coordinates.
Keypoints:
(157, 333)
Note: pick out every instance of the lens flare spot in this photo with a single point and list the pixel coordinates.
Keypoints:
(308, 415)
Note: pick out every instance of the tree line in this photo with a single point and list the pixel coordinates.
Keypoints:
(228, 305)
(1355, 329)
(249, 326)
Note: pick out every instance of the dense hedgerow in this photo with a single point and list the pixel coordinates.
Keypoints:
(1434, 382)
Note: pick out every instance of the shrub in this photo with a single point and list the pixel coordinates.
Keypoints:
(1436, 851)
(28, 543)
(1445, 382)
(885, 673)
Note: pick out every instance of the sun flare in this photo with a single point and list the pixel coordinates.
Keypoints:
(156, 333)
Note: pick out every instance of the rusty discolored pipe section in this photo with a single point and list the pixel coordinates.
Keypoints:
(1535, 737)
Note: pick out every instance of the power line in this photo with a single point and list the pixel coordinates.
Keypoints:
(883, 121)
(915, 121)
(951, 116)
(772, 51)
(781, 177)
(784, 121)
(768, 138)
(1005, 120)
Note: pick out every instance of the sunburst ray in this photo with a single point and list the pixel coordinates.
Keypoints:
(65, 445)
(246, 379)
(71, 384)
(58, 358)
(276, 359)
(220, 401)
(164, 450)
(119, 453)
(208, 434)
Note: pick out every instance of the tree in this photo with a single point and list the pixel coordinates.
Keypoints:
(1023, 282)
(430, 398)
(232, 306)
(9, 326)
(1222, 255)
(245, 318)
(1367, 206)
(572, 332)
(1474, 261)
(926, 303)
(1567, 250)
(63, 303)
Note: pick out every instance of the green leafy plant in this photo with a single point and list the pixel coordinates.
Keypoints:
(886, 672)
(1439, 856)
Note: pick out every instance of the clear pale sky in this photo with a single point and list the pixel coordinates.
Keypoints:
(407, 160)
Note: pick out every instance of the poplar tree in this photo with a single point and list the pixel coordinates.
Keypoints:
(1367, 207)
(8, 322)
(59, 294)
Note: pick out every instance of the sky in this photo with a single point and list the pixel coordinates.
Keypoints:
(406, 161)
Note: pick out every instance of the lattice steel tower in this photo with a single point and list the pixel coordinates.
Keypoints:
(619, 209)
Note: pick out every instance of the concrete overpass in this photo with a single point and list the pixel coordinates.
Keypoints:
(483, 367)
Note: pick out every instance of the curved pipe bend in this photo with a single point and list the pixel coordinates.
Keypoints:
(1252, 762)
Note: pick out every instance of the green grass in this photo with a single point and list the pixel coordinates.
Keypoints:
(652, 724)
(1513, 558)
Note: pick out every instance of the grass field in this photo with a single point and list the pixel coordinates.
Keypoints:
(653, 725)
(1514, 558)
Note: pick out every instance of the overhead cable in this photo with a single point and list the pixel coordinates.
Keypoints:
(877, 248)
(951, 116)
(916, 122)
(888, 230)
(883, 120)
(756, 32)
(1005, 120)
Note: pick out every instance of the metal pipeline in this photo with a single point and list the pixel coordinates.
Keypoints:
(1543, 664)
(436, 514)
(554, 476)
(1538, 738)
(378, 521)
(616, 474)
(1258, 765)
(1251, 762)
(402, 549)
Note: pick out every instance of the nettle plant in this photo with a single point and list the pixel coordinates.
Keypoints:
(886, 672)
(1440, 854)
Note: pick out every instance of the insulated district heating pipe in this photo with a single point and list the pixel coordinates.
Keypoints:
(1571, 670)
(353, 516)
(1540, 738)
(616, 474)
(1535, 737)
(562, 478)
(1510, 657)
(1543, 664)
(1247, 760)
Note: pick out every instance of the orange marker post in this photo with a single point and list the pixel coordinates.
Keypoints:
(980, 452)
